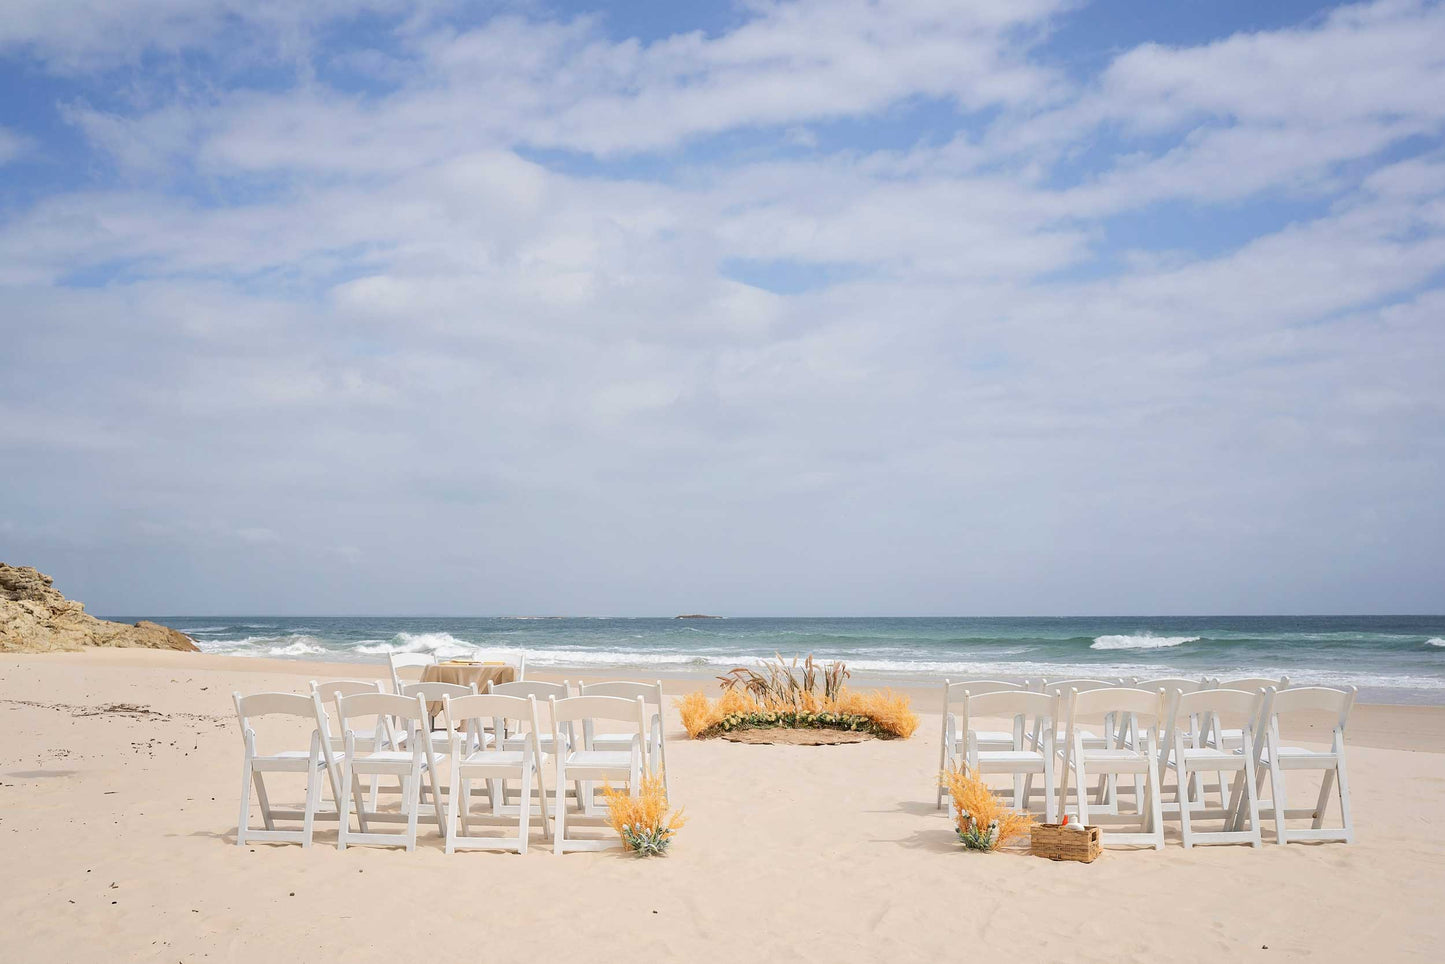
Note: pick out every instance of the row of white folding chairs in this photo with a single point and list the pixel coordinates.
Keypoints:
(433, 692)
(1147, 734)
(393, 745)
(951, 744)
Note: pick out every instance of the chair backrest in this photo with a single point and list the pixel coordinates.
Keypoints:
(649, 693)
(1117, 700)
(328, 688)
(512, 657)
(477, 709)
(409, 708)
(1176, 684)
(1252, 683)
(1062, 687)
(433, 692)
(272, 704)
(613, 708)
(1230, 707)
(953, 690)
(1030, 712)
(1319, 699)
(535, 688)
(400, 661)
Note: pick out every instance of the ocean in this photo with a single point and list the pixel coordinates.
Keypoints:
(1392, 659)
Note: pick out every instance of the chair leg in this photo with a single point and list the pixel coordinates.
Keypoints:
(524, 820)
(264, 801)
(454, 791)
(1186, 830)
(413, 784)
(1251, 803)
(1156, 803)
(343, 806)
(313, 796)
(1342, 783)
(1278, 792)
(1322, 803)
(244, 820)
(1083, 808)
(559, 814)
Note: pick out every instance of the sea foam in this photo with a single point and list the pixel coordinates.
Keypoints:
(1436, 641)
(1141, 641)
(441, 645)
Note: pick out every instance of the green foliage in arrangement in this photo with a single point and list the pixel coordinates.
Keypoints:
(803, 720)
(975, 837)
(647, 841)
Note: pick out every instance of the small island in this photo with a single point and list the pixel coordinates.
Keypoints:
(696, 616)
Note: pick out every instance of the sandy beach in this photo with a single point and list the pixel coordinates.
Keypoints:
(118, 830)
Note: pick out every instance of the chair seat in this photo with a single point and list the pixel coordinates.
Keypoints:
(1108, 756)
(495, 758)
(297, 760)
(1299, 755)
(599, 758)
(613, 738)
(1232, 756)
(384, 756)
(1010, 756)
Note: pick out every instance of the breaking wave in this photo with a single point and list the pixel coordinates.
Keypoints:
(1141, 641)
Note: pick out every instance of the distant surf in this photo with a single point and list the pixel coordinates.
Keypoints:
(1391, 658)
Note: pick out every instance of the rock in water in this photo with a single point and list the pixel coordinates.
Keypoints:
(35, 618)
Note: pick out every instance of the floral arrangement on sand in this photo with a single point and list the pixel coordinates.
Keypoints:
(982, 821)
(795, 695)
(644, 822)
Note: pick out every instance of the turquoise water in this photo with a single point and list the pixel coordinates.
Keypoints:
(1391, 658)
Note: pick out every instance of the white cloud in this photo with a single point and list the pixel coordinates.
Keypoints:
(371, 321)
(12, 145)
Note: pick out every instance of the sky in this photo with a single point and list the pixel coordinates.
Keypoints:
(772, 308)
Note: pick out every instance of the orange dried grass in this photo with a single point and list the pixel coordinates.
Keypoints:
(975, 805)
(891, 712)
(645, 815)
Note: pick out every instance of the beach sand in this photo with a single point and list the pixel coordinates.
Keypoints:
(117, 839)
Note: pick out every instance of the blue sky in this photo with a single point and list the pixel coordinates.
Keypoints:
(422, 306)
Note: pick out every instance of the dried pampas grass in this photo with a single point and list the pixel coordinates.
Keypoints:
(982, 821)
(782, 695)
(644, 822)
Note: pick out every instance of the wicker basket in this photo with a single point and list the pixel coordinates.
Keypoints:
(1057, 842)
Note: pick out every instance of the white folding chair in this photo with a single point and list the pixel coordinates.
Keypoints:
(411, 765)
(649, 693)
(512, 657)
(589, 766)
(1173, 686)
(1134, 710)
(1228, 738)
(1020, 759)
(401, 661)
(543, 693)
(471, 760)
(318, 760)
(951, 747)
(1060, 690)
(1190, 756)
(1279, 757)
(381, 738)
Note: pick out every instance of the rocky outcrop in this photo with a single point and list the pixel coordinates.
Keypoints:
(36, 618)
